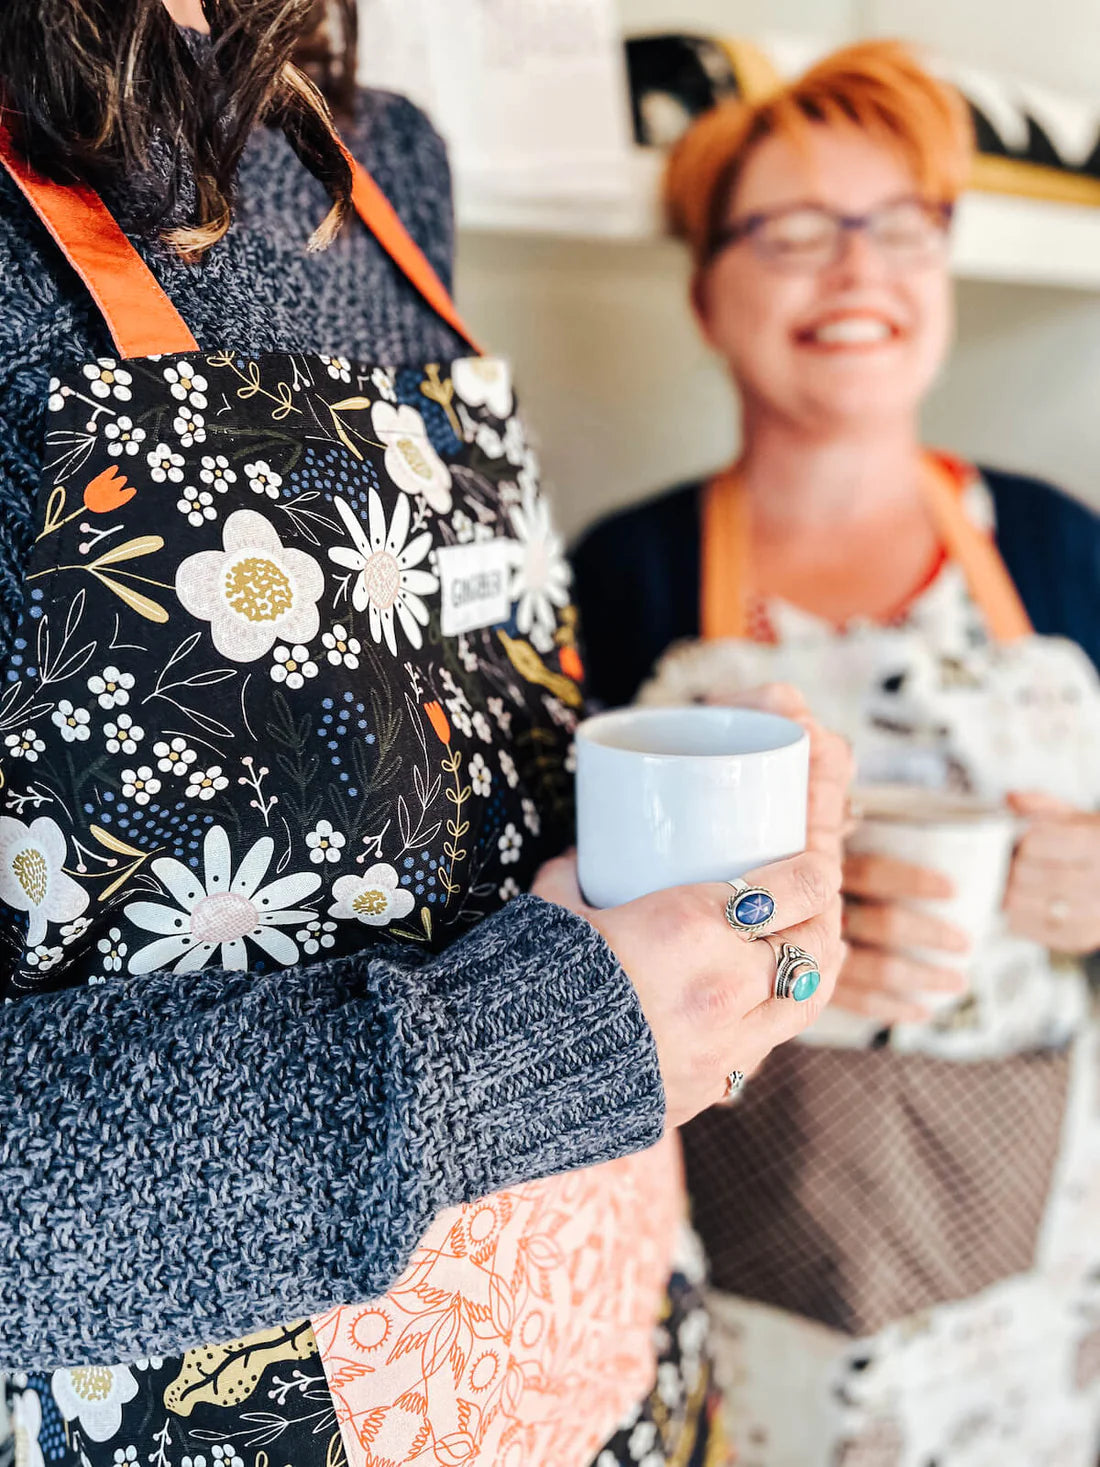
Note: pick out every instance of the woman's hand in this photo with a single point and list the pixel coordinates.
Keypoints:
(706, 993)
(1054, 887)
(879, 978)
(831, 765)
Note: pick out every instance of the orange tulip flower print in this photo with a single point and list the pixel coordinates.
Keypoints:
(108, 491)
(438, 720)
(571, 663)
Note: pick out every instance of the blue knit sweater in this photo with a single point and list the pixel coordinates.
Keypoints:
(192, 1158)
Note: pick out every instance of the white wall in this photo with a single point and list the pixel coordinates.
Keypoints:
(626, 399)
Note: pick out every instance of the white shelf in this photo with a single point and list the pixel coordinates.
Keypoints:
(997, 237)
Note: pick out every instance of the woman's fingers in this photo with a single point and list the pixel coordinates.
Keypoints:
(888, 879)
(899, 976)
(881, 1006)
(775, 1020)
(802, 887)
(892, 925)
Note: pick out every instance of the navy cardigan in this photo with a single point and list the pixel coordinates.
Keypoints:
(637, 576)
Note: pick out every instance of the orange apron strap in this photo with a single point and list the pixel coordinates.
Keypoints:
(140, 317)
(381, 218)
(724, 556)
(986, 574)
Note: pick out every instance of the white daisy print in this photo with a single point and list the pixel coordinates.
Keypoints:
(389, 584)
(341, 649)
(501, 716)
(123, 735)
(74, 931)
(411, 461)
(254, 592)
(58, 394)
(325, 843)
(373, 898)
(139, 785)
(481, 777)
(508, 891)
(94, 1395)
(165, 465)
(531, 817)
(186, 384)
(190, 425)
(44, 958)
(489, 441)
(482, 728)
(216, 918)
(463, 526)
(33, 877)
(204, 784)
(293, 666)
(384, 384)
(26, 745)
(123, 438)
(111, 688)
(216, 473)
(113, 950)
(540, 574)
(508, 769)
(510, 844)
(197, 505)
(226, 1456)
(316, 936)
(339, 368)
(175, 757)
(262, 479)
(26, 1425)
(107, 379)
(515, 442)
(484, 382)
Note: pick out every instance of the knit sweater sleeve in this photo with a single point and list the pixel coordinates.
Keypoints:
(193, 1157)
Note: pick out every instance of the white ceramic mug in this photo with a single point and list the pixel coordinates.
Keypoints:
(966, 839)
(672, 796)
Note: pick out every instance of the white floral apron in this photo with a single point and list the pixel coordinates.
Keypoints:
(917, 1250)
(297, 674)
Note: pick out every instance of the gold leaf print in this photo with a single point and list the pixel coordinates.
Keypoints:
(351, 405)
(530, 666)
(226, 1375)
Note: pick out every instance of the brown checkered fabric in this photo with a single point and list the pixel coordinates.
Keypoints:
(856, 1187)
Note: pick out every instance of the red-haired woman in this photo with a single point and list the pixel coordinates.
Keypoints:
(904, 1225)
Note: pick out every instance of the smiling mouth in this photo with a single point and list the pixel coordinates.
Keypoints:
(849, 333)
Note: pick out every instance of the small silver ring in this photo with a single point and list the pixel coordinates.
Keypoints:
(797, 974)
(751, 909)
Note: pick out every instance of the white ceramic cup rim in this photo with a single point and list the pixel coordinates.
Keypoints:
(788, 734)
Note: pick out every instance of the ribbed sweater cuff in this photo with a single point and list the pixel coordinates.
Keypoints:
(551, 1063)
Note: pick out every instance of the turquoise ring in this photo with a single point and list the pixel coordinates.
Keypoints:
(750, 910)
(797, 975)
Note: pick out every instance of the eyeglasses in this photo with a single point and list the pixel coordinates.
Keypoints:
(808, 237)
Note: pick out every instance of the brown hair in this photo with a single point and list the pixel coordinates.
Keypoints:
(113, 93)
(876, 87)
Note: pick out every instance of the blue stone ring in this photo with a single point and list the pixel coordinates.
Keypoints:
(750, 910)
(797, 975)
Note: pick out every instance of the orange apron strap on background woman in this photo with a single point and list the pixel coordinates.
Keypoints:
(726, 536)
(140, 317)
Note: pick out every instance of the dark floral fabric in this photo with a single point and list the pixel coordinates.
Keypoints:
(297, 673)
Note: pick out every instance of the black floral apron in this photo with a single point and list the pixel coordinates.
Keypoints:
(297, 673)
